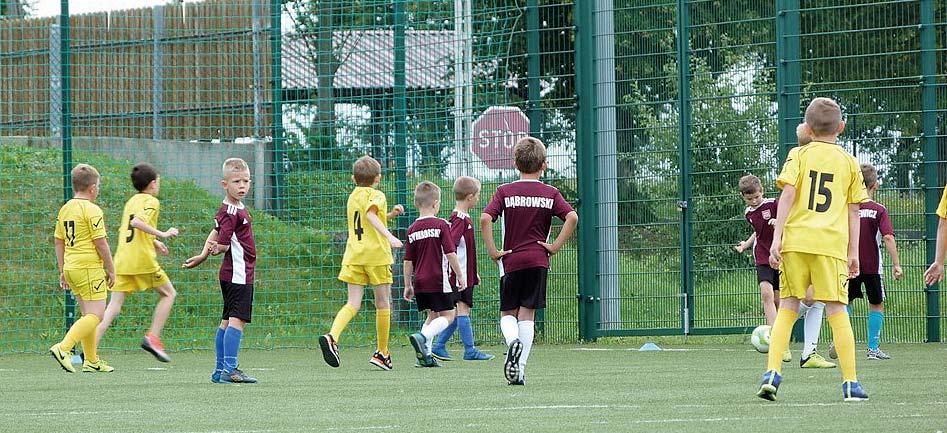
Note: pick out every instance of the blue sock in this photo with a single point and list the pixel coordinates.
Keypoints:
(875, 320)
(466, 332)
(219, 349)
(446, 334)
(231, 348)
(849, 309)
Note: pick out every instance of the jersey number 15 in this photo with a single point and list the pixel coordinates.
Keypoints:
(821, 179)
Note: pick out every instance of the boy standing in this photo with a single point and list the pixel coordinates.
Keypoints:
(367, 261)
(467, 195)
(816, 223)
(527, 207)
(429, 251)
(135, 265)
(232, 236)
(85, 267)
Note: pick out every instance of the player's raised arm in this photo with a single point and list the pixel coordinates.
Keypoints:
(377, 224)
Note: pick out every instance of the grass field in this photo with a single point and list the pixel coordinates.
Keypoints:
(595, 388)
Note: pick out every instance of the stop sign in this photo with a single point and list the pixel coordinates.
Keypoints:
(495, 133)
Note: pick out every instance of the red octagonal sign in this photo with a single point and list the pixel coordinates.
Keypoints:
(494, 134)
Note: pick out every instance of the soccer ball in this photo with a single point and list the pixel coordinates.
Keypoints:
(760, 338)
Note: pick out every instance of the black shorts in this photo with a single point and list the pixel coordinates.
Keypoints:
(238, 300)
(523, 288)
(873, 287)
(435, 302)
(465, 296)
(768, 274)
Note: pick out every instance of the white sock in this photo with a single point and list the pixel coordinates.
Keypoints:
(430, 331)
(527, 330)
(509, 329)
(812, 328)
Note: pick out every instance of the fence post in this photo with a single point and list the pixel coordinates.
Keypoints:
(586, 171)
(788, 73)
(400, 112)
(683, 102)
(66, 99)
(929, 137)
(259, 92)
(157, 83)
(276, 70)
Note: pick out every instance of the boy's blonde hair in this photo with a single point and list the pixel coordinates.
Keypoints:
(365, 170)
(870, 173)
(801, 137)
(750, 184)
(823, 116)
(425, 194)
(465, 186)
(234, 165)
(529, 154)
(84, 176)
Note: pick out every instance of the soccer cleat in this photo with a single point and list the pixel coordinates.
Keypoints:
(330, 351)
(770, 385)
(429, 362)
(477, 355)
(236, 376)
(787, 356)
(440, 352)
(511, 368)
(63, 358)
(418, 342)
(832, 352)
(520, 378)
(877, 354)
(215, 378)
(97, 367)
(381, 361)
(815, 361)
(153, 345)
(852, 391)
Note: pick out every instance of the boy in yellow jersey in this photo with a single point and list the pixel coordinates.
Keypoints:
(135, 265)
(367, 261)
(935, 273)
(815, 241)
(85, 267)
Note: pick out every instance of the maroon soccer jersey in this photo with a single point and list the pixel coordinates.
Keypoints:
(760, 218)
(428, 244)
(527, 207)
(462, 235)
(874, 224)
(233, 228)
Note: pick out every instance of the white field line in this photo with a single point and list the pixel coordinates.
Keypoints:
(545, 407)
(75, 412)
(634, 349)
(763, 418)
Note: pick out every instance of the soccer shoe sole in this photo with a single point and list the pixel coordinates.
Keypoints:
(441, 356)
(812, 363)
(64, 362)
(328, 355)
(511, 368)
(418, 346)
(767, 392)
(159, 355)
(379, 363)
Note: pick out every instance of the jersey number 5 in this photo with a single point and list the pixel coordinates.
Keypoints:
(131, 230)
(821, 179)
(357, 222)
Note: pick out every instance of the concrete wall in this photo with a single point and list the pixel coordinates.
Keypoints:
(180, 160)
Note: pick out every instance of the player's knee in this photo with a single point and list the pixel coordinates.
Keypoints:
(355, 307)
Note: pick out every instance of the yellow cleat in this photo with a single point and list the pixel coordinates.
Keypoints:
(787, 356)
(815, 361)
(63, 358)
(96, 367)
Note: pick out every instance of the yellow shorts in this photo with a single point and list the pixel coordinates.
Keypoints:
(87, 284)
(366, 275)
(137, 282)
(827, 275)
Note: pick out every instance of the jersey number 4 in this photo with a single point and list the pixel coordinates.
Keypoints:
(821, 179)
(357, 222)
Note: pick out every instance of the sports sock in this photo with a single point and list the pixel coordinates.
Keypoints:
(527, 329)
(342, 318)
(438, 325)
(466, 332)
(219, 349)
(443, 337)
(876, 319)
(383, 328)
(779, 338)
(78, 331)
(844, 344)
(812, 328)
(231, 347)
(509, 328)
(89, 348)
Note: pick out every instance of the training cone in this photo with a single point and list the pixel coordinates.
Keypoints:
(649, 347)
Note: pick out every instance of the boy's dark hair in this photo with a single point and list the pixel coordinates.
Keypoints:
(142, 175)
(84, 176)
(465, 186)
(823, 116)
(426, 193)
(529, 154)
(750, 184)
(365, 170)
(870, 173)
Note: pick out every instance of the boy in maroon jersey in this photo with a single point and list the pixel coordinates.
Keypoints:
(526, 207)
(232, 236)
(427, 254)
(467, 194)
(875, 225)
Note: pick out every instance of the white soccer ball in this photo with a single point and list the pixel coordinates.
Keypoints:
(760, 338)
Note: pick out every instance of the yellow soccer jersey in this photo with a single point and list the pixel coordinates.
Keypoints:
(78, 224)
(827, 180)
(136, 249)
(366, 246)
(942, 207)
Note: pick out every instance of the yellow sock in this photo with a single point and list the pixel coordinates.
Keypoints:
(79, 330)
(383, 328)
(89, 348)
(779, 338)
(342, 318)
(844, 344)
